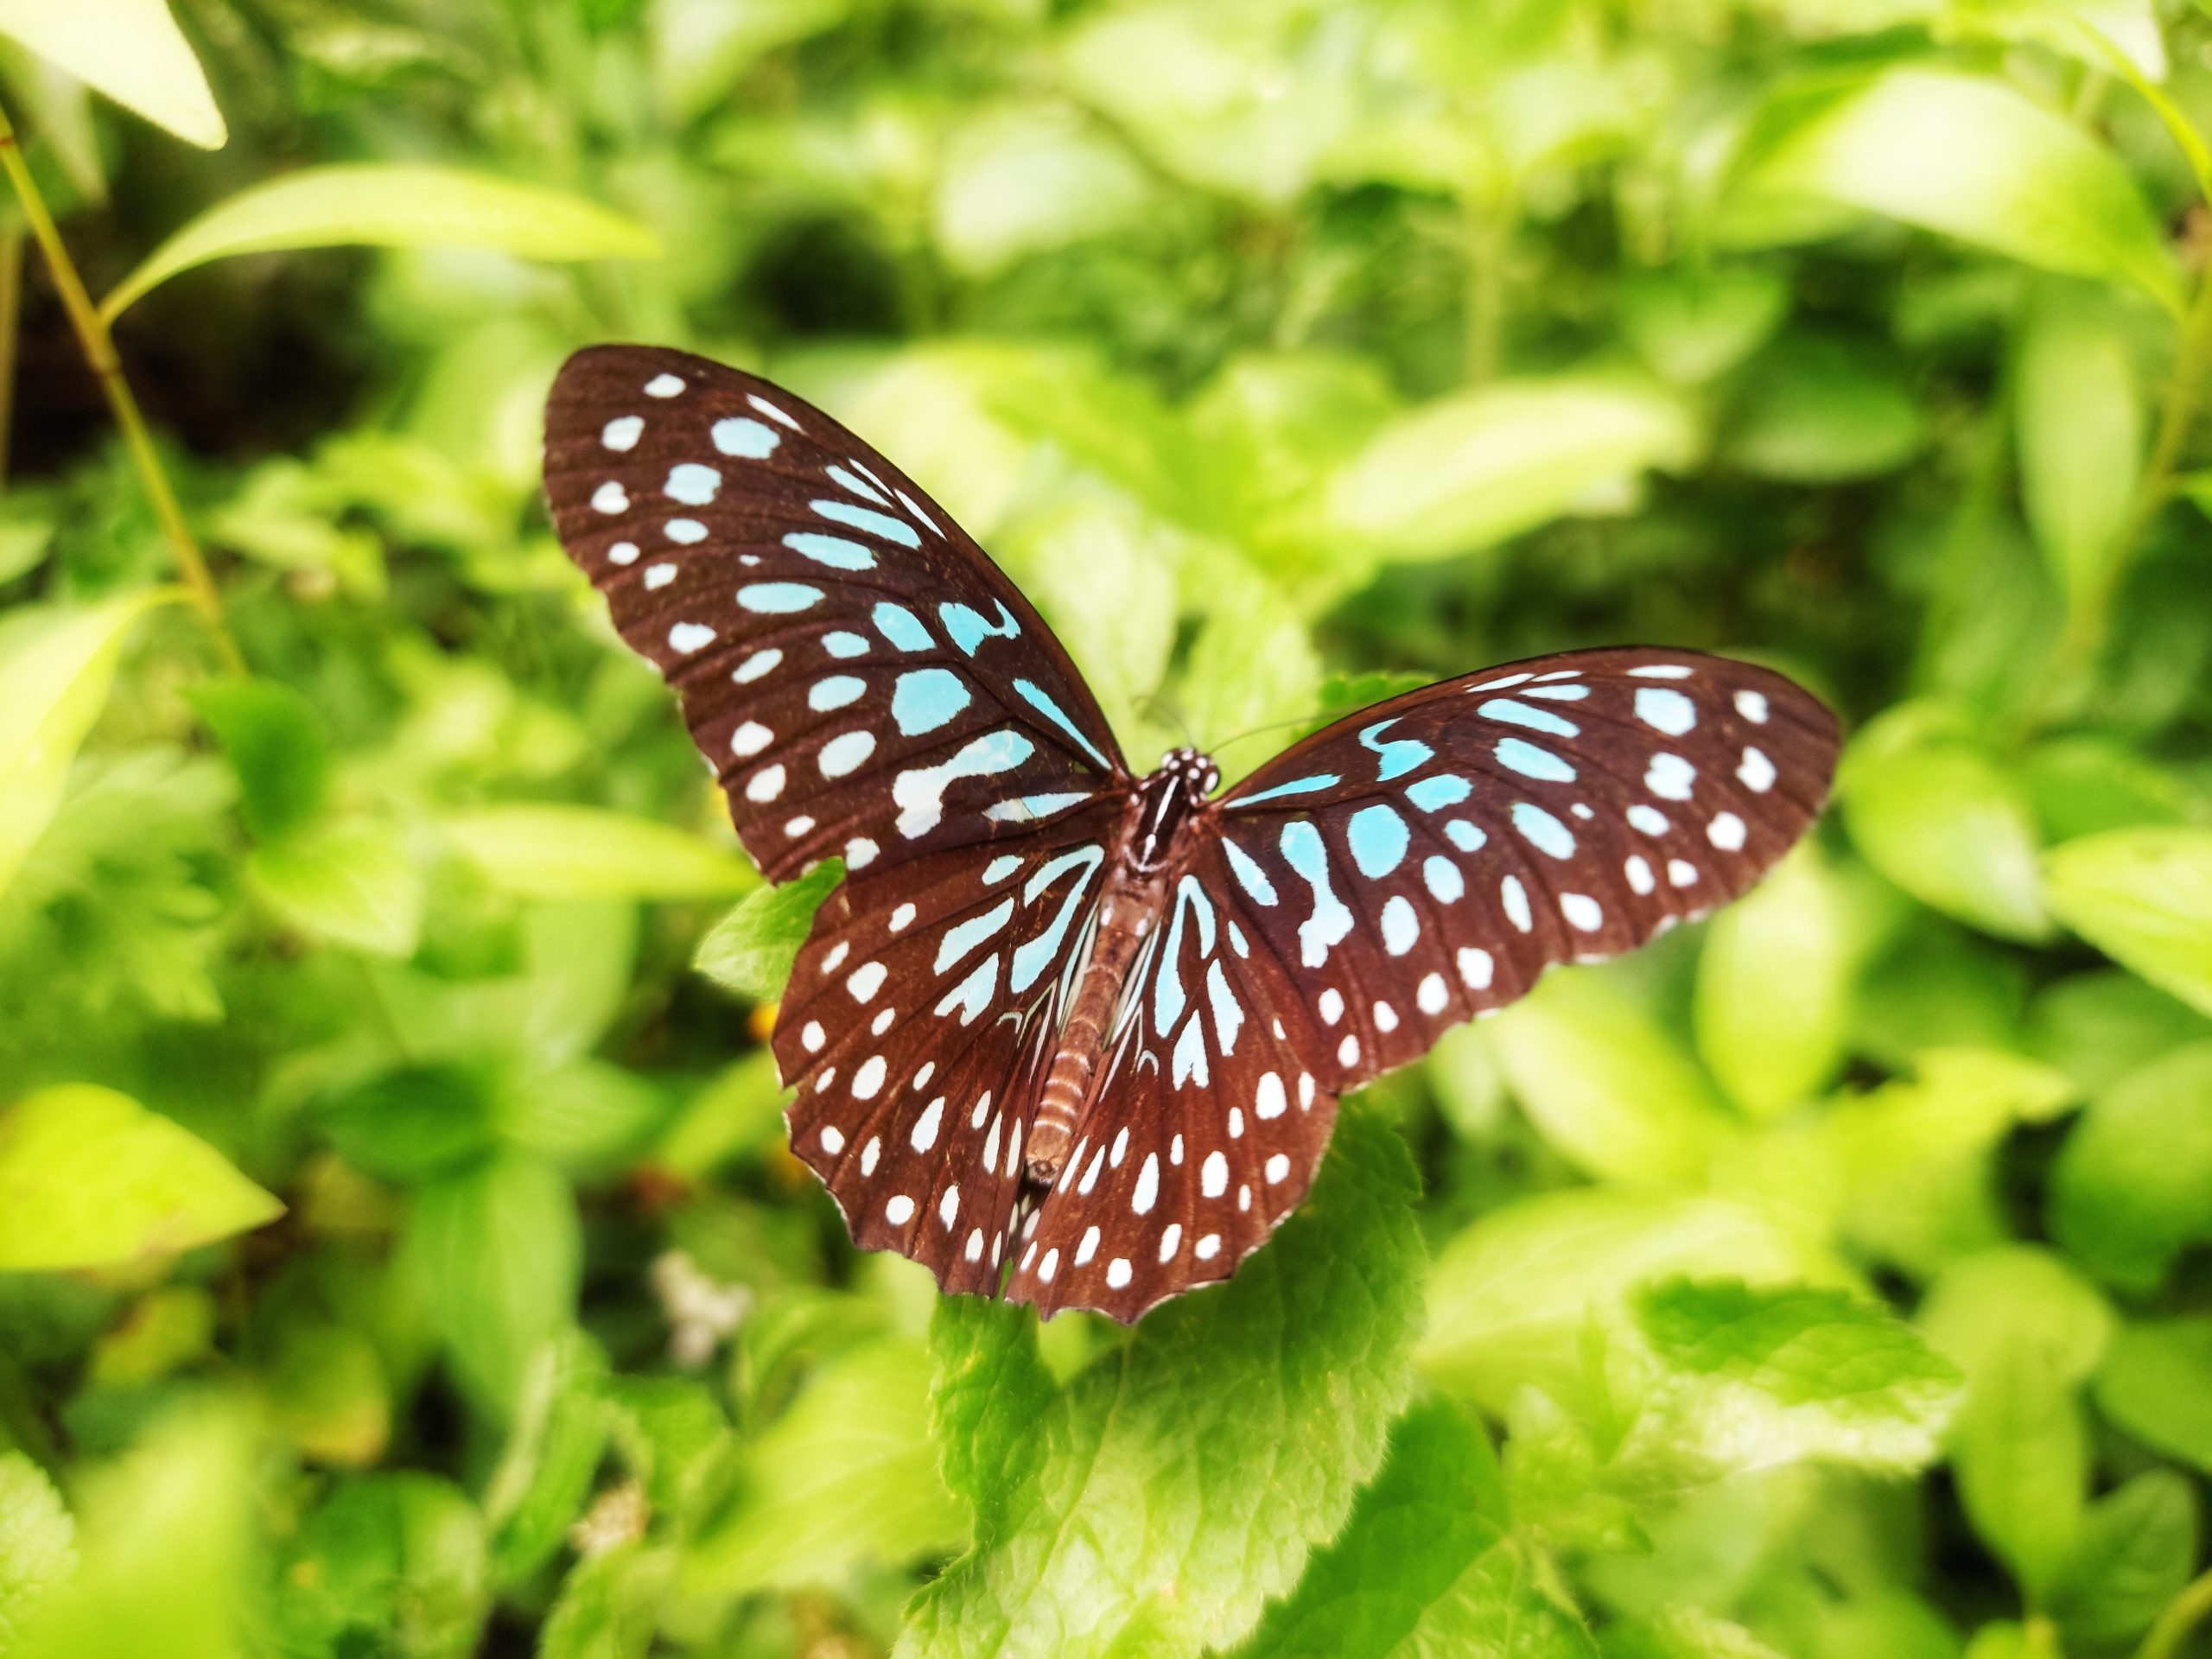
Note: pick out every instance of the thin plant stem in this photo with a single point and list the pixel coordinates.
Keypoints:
(99, 351)
(2182, 1615)
(11, 316)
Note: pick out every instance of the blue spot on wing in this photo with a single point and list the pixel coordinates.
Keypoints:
(967, 628)
(1532, 762)
(1379, 839)
(1398, 756)
(876, 524)
(833, 550)
(1295, 787)
(1249, 875)
(1433, 794)
(1536, 720)
(777, 597)
(927, 698)
(902, 628)
(1042, 702)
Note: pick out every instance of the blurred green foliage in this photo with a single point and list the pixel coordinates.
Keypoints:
(1829, 1280)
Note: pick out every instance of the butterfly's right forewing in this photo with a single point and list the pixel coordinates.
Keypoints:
(864, 682)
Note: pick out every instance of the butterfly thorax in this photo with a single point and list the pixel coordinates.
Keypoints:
(1150, 846)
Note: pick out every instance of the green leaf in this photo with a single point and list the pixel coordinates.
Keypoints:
(1511, 1299)
(584, 852)
(350, 883)
(495, 1252)
(129, 49)
(1157, 1500)
(388, 1563)
(846, 1476)
(2136, 1550)
(2028, 1331)
(610, 1606)
(1694, 326)
(275, 745)
(1428, 1563)
(411, 1122)
(1792, 1372)
(1029, 178)
(1606, 1084)
(38, 1545)
(545, 1476)
(1937, 817)
(327, 1393)
(1476, 468)
(2143, 897)
(89, 1177)
(165, 1544)
(390, 205)
(750, 952)
(1774, 986)
(2132, 1186)
(2079, 417)
(1816, 411)
(2156, 1384)
(1971, 156)
(56, 665)
(2098, 1026)
(1684, 1633)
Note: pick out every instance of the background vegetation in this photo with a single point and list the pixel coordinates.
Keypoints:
(401, 1253)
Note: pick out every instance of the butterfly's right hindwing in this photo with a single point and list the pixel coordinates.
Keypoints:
(861, 678)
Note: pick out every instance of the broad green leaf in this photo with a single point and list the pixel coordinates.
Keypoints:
(129, 49)
(1028, 179)
(275, 745)
(390, 205)
(1156, 1501)
(2004, 1639)
(1939, 819)
(1693, 325)
(750, 952)
(326, 1393)
(412, 1121)
(2136, 1550)
(544, 1477)
(1510, 1299)
(2100, 1025)
(2143, 897)
(2132, 1186)
(700, 48)
(1606, 1084)
(1774, 986)
(389, 1563)
(495, 1252)
(2156, 1384)
(610, 1604)
(1972, 156)
(2028, 1332)
(1818, 410)
(1426, 1565)
(1684, 1633)
(1912, 1159)
(1476, 468)
(89, 1177)
(2079, 417)
(350, 882)
(1790, 1372)
(38, 1544)
(164, 1545)
(56, 665)
(846, 1476)
(584, 852)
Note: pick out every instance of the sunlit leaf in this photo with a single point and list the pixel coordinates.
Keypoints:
(578, 852)
(2136, 1550)
(1478, 466)
(2156, 1384)
(751, 950)
(89, 1177)
(2144, 897)
(1974, 157)
(1119, 1513)
(352, 882)
(2079, 419)
(2132, 1186)
(38, 1544)
(1774, 985)
(390, 206)
(55, 668)
(129, 49)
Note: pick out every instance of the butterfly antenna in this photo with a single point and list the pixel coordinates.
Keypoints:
(1151, 701)
(1272, 726)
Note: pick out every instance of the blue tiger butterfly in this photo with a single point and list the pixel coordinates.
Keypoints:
(1069, 1035)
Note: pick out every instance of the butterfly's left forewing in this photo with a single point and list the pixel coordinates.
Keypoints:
(863, 681)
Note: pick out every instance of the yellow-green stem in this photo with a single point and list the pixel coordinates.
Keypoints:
(99, 352)
(2182, 1614)
(11, 313)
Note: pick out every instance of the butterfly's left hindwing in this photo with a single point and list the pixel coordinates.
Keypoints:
(863, 681)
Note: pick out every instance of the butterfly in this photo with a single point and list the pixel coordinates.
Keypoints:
(1063, 1033)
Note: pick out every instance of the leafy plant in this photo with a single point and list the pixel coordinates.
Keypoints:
(399, 1249)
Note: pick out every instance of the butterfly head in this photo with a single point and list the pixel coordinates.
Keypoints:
(1166, 800)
